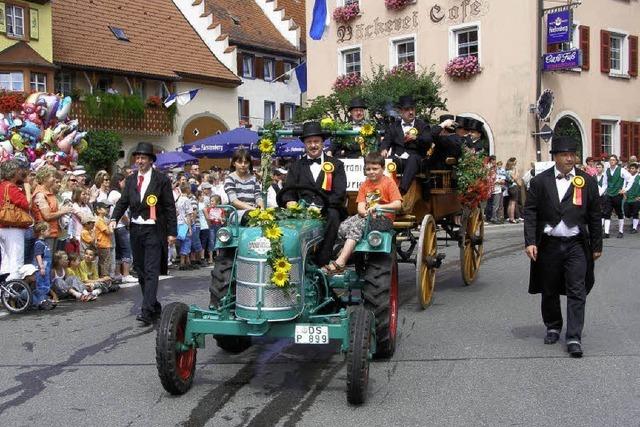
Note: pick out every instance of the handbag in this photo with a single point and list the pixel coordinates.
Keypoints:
(183, 229)
(12, 216)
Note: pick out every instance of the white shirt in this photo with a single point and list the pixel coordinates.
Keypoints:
(561, 229)
(316, 168)
(143, 189)
(626, 176)
(407, 127)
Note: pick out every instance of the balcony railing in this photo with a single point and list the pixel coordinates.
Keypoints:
(155, 122)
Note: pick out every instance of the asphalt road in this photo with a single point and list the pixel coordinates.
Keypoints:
(475, 357)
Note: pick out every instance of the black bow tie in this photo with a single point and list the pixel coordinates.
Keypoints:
(406, 124)
(567, 176)
(309, 162)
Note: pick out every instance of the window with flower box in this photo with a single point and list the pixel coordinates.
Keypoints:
(15, 21)
(467, 41)
(38, 82)
(350, 61)
(12, 81)
(404, 50)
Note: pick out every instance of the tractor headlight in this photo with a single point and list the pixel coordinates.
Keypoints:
(224, 235)
(375, 239)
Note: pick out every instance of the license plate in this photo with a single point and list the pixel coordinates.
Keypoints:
(310, 334)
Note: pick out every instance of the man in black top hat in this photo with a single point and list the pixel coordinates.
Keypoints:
(563, 238)
(473, 132)
(324, 173)
(408, 140)
(351, 150)
(447, 145)
(153, 226)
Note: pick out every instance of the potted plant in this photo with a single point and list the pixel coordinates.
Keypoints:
(154, 102)
(347, 81)
(347, 13)
(396, 4)
(463, 67)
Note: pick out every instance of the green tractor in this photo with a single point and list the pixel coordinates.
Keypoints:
(358, 308)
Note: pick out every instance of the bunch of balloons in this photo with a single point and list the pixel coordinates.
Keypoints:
(42, 126)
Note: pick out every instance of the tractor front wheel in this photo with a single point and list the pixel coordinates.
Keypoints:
(380, 295)
(176, 366)
(358, 355)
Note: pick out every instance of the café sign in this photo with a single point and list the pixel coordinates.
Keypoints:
(559, 27)
(561, 60)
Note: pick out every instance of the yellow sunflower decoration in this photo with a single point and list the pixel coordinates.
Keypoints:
(283, 264)
(266, 146)
(273, 232)
(280, 278)
(367, 130)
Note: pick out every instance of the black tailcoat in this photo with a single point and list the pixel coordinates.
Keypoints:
(394, 138)
(542, 207)
(166, 222)
(445, 146)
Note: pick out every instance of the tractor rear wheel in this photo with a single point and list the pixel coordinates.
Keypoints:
(380, 295)
(176, 367)
(358, 355)
(220, 281)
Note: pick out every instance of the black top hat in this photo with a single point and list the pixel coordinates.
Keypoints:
(313, 129)
(406, 101)
(477, 125)
(145, 148)
(444, 117)
(357, 102)
(563, 144)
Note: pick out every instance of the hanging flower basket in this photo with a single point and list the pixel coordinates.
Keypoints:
(396, 4)
(463, 67)
(347, 81)
(346, 14)
(404, 68)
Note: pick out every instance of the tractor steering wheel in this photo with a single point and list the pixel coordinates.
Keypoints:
(325, 199)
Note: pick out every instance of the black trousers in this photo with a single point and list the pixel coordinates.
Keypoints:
(566, 259)
(631, 210)
(409, 168)
(330, 235)
(612, 203)
(146, 247)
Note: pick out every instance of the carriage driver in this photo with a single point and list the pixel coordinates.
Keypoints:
(324, 173)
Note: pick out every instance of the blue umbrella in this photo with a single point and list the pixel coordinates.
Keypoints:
(173, 159)
(223, 144)
(293, 147)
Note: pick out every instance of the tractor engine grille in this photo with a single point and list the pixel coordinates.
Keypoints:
(252, 286)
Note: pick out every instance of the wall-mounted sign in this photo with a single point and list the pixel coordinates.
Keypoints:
(559, 27)
(461, 11)
(35, 24)
(377, 28)
(561, 60)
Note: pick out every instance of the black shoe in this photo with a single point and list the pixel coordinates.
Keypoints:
(634, 231)
(145, 319)
(574, 349)
(606, 236)
(552, 337)
(157, 310)
(620, 236)
(46, 305)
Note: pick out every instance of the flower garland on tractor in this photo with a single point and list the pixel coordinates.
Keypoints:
(366, 140)
(473, 181)
(267, 218)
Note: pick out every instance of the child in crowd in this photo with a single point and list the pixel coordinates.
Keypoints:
(67, 285)
(632, 198)
(88, 235)
(196, 245)
(87, 272)
(242, 186)
(103, 238)
(377, 192)
(203, 203)
(42, 261)
(184, 213)
(215, 218)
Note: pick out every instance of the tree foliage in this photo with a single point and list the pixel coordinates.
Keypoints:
(102, 151)
(381, 91)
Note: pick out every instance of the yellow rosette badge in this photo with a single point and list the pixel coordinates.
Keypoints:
(413, 132)
(578, 183)
(152, 200)
(327, 168)
(392, 168)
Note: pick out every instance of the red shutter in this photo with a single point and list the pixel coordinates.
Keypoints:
(279, 69)
(282, 112)
(634, 150)
(625, 140)
(596, 138)
(584, 47)
(245, 110)
(605, 51)
(633, 56)
(239, 56)
(259, 63)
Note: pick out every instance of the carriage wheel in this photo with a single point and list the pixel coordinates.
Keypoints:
(471, 244)
(425, 262)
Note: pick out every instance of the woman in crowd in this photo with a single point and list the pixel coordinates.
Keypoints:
(103, 187)
(13, 174)
(241, 185)
(513, 189)
(45, 203)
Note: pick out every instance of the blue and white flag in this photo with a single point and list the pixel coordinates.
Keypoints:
(320, 19)
(181, 98)
(300, 75)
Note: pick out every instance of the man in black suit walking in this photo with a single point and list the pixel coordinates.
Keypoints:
(563, 238)
(408, 140)
(324, 173)
(149, 197)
